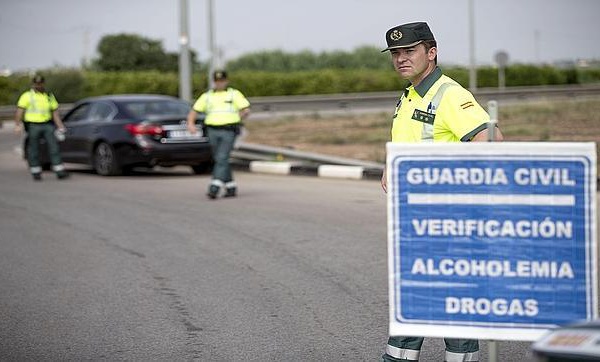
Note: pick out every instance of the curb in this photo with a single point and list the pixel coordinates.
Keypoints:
(298, 169)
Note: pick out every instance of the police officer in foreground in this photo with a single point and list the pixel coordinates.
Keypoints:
(37, 112)
(434, 108)
(225, 109)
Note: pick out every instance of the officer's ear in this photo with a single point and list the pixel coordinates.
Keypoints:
(432, 53)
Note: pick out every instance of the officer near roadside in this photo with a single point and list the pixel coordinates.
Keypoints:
(434, 108)
(225, 109)
(37, 112)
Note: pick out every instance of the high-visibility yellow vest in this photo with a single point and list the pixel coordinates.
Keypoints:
(38, 106)
(221, 107)
(437, 110)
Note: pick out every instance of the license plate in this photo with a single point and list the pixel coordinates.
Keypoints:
(185, 134)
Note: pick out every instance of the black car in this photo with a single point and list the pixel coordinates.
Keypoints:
(115, 133)
(576, 342)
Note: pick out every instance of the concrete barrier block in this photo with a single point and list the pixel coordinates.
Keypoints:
(279, 168)
(338, 171)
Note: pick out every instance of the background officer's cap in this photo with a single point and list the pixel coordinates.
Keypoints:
(38, 79)
(219, 75)
(407, 35)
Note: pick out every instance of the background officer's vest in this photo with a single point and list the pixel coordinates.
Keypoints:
(221, 108)
(38, 106)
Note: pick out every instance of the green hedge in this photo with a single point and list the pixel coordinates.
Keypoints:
(328, 81)
(70, 85)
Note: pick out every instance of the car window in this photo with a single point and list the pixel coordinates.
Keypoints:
(102, 112)
(143, 109)
(174, 107)
(78, 114)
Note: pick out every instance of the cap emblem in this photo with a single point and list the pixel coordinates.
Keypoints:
(396, 35)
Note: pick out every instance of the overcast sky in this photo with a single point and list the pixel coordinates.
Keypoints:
(40, 33)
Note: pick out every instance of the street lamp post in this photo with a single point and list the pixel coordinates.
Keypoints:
(185, 79)
(211, 43)
(472, 63)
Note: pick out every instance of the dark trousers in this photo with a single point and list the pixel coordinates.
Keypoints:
(221, 142)
(35, 132)
(467, 347)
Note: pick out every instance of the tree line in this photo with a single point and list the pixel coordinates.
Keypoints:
(130, 52)
(129, 63)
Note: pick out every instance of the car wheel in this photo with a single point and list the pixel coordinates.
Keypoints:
(202, 168)
(105, 160)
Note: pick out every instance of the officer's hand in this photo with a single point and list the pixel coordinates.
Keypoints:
(192, 128)
(18, 128)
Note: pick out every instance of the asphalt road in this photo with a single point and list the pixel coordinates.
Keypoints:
(144, 267)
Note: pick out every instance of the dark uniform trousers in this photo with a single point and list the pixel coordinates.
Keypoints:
(35, 132)
(221, 140)
(400, 348)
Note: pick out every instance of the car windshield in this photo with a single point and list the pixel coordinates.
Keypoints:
(147, 108)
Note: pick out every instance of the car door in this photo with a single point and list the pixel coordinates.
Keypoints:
(75, 122)
(98, 120)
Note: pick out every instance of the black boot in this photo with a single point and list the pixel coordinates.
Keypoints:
(213, 191)
(61, 175)
(231, 192)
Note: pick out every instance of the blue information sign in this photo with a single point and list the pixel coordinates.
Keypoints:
(489, 242)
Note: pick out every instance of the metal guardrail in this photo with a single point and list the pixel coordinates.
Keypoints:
(386, 100)
(381, 100)
(250, 151)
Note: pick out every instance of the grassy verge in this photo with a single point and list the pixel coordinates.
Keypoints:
(363, 136)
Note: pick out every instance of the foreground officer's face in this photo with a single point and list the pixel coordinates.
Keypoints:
(412, 63)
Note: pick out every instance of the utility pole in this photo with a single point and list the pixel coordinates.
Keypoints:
(472, 62)
(86, 46)
(211, 43)
(185, 75)
(536, 42)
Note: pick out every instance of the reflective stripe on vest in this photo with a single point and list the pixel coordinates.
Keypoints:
(402, 353)
(427, 132)
(461, 357)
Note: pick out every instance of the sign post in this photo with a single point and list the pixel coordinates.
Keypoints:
(493, 241)
(493, 112)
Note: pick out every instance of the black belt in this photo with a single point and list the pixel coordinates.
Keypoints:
(227, 127)
(48, 121)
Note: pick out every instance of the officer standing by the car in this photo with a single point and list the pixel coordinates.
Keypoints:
(37, 112)
(434, 108)
(225, 109)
